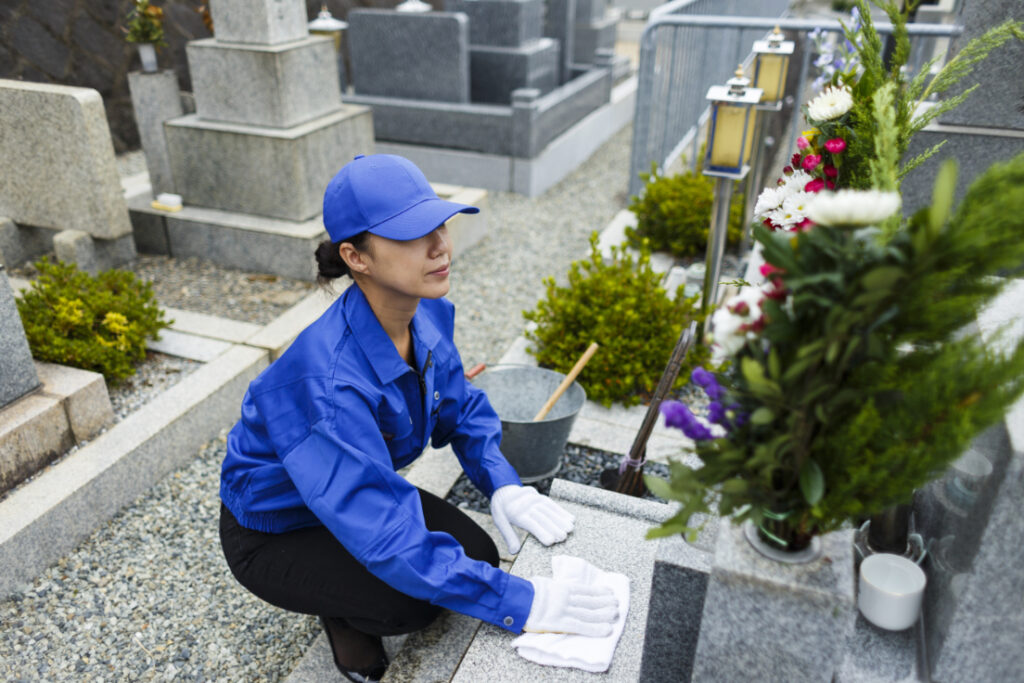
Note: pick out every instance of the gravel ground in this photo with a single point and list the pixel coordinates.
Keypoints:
(148, 596)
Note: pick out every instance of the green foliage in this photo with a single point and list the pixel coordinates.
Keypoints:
(864, 387)
(145, 24)
(619, 303)
(904, 105)
(95, 323)
(674, 213)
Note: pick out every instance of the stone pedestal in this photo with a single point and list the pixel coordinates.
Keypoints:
(155, 99)
(560, 24)
(17, 373)
(764, 620)
(263, 22)
(595, 30)
(496, 71)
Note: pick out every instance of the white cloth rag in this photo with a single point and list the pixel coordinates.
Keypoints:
(581, 652)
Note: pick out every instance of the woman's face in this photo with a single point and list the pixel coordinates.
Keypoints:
(414, 268)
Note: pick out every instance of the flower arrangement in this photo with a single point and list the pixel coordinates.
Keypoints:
(145, 24)
(848, 380)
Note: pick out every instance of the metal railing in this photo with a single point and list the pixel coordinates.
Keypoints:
(682, 54)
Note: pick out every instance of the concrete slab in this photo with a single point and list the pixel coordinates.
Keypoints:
(189, 346)
(435, 471)
(279, 334)
(44, 519)
(33, 431)
(203, 325)
(83, 394)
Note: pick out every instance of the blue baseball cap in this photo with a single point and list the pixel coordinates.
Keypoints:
(387, 195)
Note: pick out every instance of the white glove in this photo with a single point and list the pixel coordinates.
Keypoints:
(571, 607)
(527, 509)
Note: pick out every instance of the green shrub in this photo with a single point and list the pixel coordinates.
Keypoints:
(674, 213)
(620, 304)
(94, 323)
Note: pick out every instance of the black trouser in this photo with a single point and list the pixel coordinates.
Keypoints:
(310, 571)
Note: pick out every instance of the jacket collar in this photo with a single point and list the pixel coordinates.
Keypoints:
(375, 342)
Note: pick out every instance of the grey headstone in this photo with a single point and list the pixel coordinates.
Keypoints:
(999, 100)
(974, 605)
(262, 85)
(75, 246)
(17, 371)
(589, 38)
(410, 55)
(274, 172)
(265, 22)
(591, 11)
(560, 25)
(155, 99)
(501, 23)
(768, 621)
(496, 71)
(58, 139)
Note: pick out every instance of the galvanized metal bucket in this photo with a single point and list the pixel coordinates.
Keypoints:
(517, 393)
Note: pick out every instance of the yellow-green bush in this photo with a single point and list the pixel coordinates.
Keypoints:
(674, 213)
(619, 303)
(95, 323)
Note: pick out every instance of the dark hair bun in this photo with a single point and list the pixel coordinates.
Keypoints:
(329, 264)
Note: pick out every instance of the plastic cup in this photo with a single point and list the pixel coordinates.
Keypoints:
(891, 590)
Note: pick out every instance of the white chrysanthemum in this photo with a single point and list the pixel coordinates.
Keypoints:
(768, 200)
(796, 203)
(785, 219)
(726, 321)
(832, 103)
(796, 182)
(853, 208)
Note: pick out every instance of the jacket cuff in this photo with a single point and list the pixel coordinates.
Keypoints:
(515, 605)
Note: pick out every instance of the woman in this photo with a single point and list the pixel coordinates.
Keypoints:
(315, 518)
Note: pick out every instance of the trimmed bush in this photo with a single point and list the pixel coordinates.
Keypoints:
(95, 323)
(674, 213)
(619, 303)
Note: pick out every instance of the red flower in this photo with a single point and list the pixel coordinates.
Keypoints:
(811, 162)
(778, 291)
(742, 308)
(788, 170)
(830, 185)
(831, 171)
(794, 160)
(804, 225)
(768, 224)
(815, 185)
(767, 269)
(835, 145)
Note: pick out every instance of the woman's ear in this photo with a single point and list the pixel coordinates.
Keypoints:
(355, 260)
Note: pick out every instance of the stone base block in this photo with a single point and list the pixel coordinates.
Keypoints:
(263, 22)
(75, 246)
(280, 173)
(589, 38)
(297, 81)
(34, 431)
(494, 72)
(768, 621)
(84, 395)
(589, 11)
(501, 23)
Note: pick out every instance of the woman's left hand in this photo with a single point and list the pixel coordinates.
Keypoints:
(524, 507)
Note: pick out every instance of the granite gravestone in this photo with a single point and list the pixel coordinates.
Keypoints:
(264, 22)
(507, 48)
(155, 98)
(410, 55)
(58, 158)
(560, 25)
(594, 30)
(17, 371)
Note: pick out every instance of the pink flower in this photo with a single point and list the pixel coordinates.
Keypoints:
(834, 146)
(767, 269)
(831, 171)
(811, 162)
(801, 143)
(804, 225)
(742, 308)
(815, 185)
(830, 185)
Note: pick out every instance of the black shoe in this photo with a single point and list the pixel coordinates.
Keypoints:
(370, 674)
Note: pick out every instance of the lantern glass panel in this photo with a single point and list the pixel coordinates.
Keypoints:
(335, 35)
(731, 135)
(770, 76)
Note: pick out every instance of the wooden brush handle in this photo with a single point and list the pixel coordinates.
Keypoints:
(587, 355)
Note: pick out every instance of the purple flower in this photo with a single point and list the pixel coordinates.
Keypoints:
(716, 413)
(706, 381)
(679, 416)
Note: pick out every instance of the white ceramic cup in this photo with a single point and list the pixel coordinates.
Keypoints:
(891, 589)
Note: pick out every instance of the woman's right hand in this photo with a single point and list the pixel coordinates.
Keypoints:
(571, 607)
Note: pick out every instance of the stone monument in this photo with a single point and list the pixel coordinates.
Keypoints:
(17, 373)
(268, 132)
(60, 173)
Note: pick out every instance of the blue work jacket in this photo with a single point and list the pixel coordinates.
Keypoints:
(324, 429)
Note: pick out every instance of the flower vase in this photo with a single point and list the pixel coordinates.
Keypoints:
(769, 620)
(147, 55)
(889, 530)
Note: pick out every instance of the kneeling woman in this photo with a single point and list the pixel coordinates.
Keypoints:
(315, 518)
